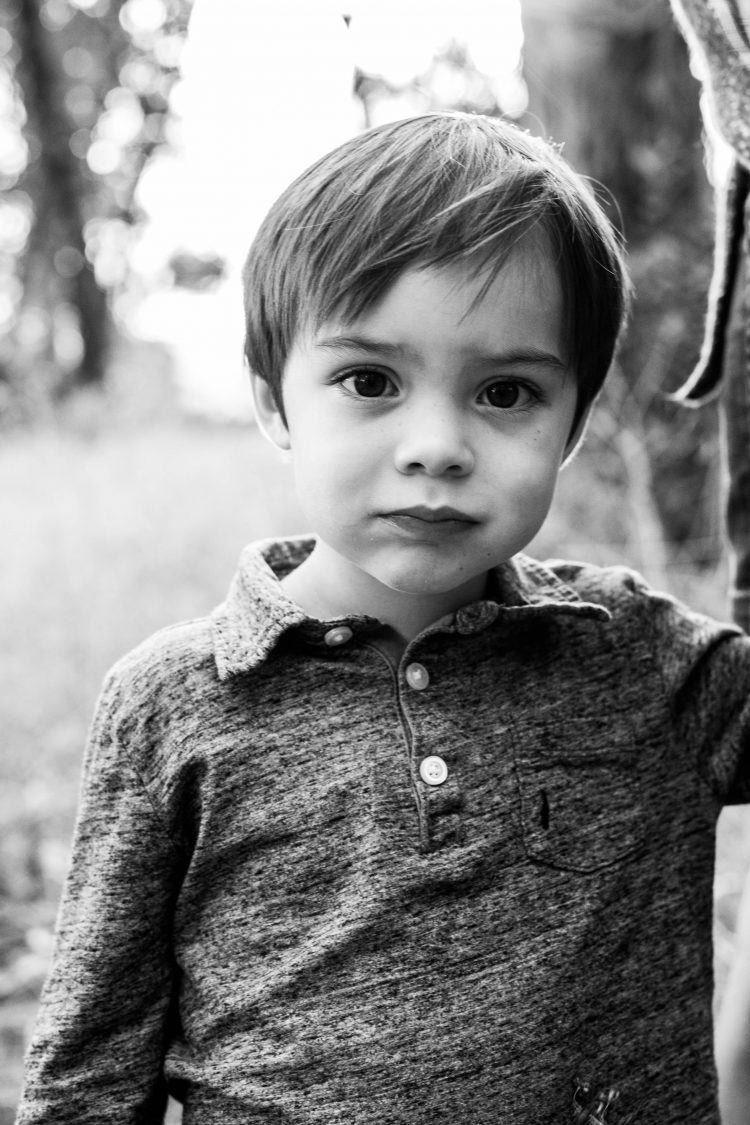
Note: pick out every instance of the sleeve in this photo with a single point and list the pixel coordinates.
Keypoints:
(707, 669)
(97, 1049)
(717, 707)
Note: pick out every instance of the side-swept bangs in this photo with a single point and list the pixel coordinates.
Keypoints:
(430, 191)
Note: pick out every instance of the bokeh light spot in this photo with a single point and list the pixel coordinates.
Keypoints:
(10, 295)
(55, 14)
(103, 157)
(68, 261)
(33, 327)
(143, 16)
(13, 150)
(79, 143)
(107, 244)
(80, 103)
(168, 50)
(139, 75)
(15, 222)
(123, 118)
(66, 338)
(77, 62)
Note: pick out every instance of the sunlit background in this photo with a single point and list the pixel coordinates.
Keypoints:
(295, 62)
(140, 143)
(237, 106)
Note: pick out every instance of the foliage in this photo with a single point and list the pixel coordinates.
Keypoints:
(86, 97)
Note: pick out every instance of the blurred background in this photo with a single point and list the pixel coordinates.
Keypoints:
(141, 142)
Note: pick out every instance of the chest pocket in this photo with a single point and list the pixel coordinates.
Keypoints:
(580, 812)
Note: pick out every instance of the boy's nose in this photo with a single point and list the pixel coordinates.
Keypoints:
(434, 443)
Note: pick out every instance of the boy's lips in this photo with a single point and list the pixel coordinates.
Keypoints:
(443, 514)
(429, 522)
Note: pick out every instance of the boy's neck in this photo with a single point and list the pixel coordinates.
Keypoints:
(328, 588)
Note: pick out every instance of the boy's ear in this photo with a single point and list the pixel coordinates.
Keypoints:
(271, 424)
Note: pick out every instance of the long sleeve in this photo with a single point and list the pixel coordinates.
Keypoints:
(96, 1054)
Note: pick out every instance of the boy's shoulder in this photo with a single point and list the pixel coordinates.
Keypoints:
(615, 587)
(155, 697)
(166, 662)
(648, 638)
(240, 631)
(633, 606)
(639, 614)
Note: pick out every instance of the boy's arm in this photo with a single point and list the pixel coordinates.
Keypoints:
(96, 1054)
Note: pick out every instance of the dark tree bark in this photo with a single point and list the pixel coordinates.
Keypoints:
(58, 190)
(66, 61)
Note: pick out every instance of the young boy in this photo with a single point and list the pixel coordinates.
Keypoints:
(413, 829)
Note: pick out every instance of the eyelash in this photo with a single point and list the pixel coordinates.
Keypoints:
(535, 394)
(341, 380)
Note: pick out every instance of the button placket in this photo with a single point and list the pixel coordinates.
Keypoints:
(440, 801)
(441, 822)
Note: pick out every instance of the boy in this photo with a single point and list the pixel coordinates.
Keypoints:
(414, 828)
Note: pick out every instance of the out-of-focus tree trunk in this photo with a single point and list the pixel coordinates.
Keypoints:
(55, 271)
(610, 80)
(90, 96)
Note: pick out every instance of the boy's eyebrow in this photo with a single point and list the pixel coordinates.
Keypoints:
(515, 357)
(362, 344)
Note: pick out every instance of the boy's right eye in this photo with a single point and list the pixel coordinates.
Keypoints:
(368, 382)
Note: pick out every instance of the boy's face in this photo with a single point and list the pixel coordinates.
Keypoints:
(427, 434)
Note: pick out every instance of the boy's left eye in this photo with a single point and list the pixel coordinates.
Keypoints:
(368, 382)
(507, 394)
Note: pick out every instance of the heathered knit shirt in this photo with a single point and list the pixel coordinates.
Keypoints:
(277, 906)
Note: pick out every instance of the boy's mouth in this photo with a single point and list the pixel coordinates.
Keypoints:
(422, 518)
(433, 515)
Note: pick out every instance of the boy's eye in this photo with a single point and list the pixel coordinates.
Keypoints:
(507, 394)
(368, 383)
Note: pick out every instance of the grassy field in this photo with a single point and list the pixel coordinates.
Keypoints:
(111, 530)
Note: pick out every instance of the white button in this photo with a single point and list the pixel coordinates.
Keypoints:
(339, 635)
(417, 676)
(433, 770)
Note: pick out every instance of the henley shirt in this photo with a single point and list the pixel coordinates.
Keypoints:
(311, 885)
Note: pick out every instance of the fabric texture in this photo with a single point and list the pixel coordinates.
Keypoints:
(271, 913)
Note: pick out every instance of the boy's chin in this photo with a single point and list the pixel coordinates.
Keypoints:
(425, 585)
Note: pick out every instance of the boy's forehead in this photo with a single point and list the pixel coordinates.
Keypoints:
(515, 316)
(527, 266)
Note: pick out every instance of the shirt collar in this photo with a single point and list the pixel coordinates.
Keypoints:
(257, 612)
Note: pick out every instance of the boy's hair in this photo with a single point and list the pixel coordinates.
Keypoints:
(430, 191)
